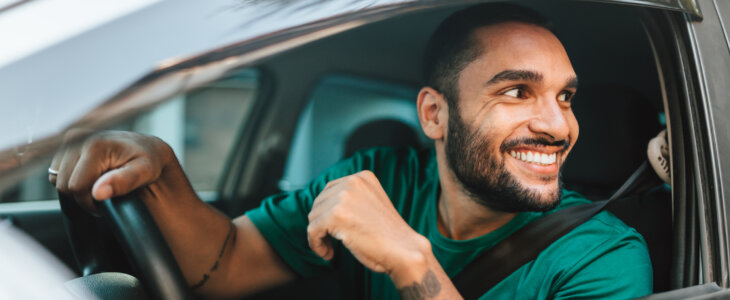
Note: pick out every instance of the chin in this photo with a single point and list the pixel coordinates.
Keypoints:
(546, 195)
(508, 194)
(539, 185)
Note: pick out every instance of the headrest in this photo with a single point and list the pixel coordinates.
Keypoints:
(616, 123)
(383, 132)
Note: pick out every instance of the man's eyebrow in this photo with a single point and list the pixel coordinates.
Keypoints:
(572, 83)
(515, 75)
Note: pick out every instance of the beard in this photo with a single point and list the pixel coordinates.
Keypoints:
(484, 176)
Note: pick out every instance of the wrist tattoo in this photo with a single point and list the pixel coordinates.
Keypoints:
(206, 276)
(427, 288)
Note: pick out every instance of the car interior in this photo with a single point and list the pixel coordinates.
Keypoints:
(290, 116)
(618, 106)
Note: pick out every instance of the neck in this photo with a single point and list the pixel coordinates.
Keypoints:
(460, 217)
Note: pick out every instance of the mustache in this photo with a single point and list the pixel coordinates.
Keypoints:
(539, 141)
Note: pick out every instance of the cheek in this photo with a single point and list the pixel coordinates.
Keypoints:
(500, 123)
(506, 119)
(574, 128)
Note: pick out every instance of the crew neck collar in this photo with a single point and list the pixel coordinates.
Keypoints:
(483, 241)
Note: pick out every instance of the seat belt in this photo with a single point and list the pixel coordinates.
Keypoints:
(523, 246)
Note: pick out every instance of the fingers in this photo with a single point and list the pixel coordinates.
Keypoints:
(62, 158)
(121, 181)
(86, 171)
(332, 212)
(106, 165)
(66, 181)
(324, 220)
(319, 240)
(323, 216)
(318, 233)
(71, 139)
(54, 166)
(66, 167)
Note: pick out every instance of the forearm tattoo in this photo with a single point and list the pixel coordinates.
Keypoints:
(427, 288)
(206, 276)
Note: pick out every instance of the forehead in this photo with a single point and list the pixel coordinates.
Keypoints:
(521, 46)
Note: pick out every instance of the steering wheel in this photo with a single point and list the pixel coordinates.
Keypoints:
(129, 221)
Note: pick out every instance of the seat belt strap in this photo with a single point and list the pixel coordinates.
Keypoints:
(523, 246)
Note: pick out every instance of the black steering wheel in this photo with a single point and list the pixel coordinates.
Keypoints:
(127, 219)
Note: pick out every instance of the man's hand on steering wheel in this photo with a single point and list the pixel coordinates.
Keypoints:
(111, 164)
(209, 249)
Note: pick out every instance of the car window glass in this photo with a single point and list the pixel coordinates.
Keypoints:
(199, 125)
(338, 107)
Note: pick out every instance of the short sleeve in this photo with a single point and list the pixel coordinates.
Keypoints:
(282, 220)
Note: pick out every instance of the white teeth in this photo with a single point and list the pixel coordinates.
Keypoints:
(537, 157)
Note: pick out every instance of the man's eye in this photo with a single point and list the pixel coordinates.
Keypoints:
(515, 92)
(565, 96)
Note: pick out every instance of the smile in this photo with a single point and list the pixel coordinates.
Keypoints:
(535, 157)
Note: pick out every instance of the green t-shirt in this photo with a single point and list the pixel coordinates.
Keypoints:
(602, 258)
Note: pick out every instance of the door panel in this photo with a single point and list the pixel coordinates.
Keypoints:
(43, 221)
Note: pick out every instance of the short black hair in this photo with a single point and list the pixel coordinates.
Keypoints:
(452, 45)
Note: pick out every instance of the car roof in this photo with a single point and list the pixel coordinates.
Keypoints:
(61, 70)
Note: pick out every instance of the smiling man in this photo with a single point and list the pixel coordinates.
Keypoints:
(401, 222)
(497, 105)
(510, 122)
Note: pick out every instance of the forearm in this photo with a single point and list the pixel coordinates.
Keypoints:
(212, 253)
(195, 232)
(219, 258)
(422, 277)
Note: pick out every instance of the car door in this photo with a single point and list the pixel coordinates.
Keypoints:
(708, 47)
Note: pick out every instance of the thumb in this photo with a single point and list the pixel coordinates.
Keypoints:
(123, 180)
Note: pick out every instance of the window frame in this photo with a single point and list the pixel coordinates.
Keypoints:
(699, 235)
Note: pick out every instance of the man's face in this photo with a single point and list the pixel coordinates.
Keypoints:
(514, 126)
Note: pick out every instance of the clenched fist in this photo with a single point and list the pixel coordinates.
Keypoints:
(356, 210)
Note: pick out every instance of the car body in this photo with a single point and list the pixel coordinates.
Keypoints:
(297, 60)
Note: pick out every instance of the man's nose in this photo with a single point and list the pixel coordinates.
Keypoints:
(550, 119)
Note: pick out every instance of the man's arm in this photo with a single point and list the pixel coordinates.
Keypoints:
(424, 280)
(356, 210)
(219, 259)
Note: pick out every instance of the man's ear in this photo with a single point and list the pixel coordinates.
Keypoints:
(432, 112)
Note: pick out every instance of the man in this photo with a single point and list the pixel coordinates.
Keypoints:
(496, 104)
